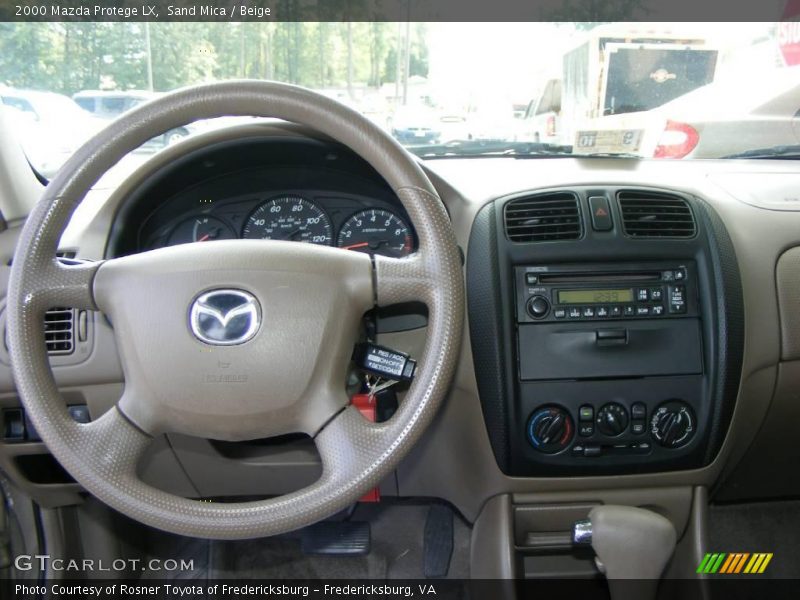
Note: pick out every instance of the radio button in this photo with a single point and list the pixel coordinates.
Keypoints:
(657, 310)
(629, 311)
(655, 294)
(531, 278)
(560, 313)
(574, 313)
(642, 311)
(642, 294)
(677, 299)
(668, 276)
(588, 311)
(616, 311)
(602, 311)
(538, 307)
(680, 274)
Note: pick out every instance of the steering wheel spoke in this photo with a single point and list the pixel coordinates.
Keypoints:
(117, 444)
(400, 280)
(68, 285)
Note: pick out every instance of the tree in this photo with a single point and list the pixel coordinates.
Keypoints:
(74, 56)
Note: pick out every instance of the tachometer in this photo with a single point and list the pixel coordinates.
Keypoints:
(200, 229)
(290, 218)
(376, 231)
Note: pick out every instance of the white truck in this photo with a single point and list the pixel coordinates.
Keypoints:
(618, 69)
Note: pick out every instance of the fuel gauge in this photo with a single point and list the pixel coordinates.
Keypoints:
(200, 229)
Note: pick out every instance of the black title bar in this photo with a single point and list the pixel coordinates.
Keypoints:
(398, 10)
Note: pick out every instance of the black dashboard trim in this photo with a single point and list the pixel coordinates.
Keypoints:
(491, 304)
(730, 330)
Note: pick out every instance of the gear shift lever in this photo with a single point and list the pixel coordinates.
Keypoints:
(631, 544)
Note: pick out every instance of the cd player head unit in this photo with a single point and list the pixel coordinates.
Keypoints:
(605, 292)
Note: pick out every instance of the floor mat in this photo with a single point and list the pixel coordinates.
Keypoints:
(396, 551)
(759, 527)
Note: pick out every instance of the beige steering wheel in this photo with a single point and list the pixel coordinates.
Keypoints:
(283, 316)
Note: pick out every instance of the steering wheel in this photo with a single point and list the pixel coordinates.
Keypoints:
(238, 339)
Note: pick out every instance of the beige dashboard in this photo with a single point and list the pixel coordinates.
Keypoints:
(759, 204)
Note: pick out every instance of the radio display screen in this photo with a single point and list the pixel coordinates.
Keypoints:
(594, 296)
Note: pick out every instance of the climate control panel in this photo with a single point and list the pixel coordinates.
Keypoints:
(611, 428)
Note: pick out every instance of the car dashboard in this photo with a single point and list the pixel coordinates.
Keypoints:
(602, 359)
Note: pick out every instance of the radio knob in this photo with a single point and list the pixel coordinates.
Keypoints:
(612, 419)
(672, 424)
(538, 307)
(550, 429)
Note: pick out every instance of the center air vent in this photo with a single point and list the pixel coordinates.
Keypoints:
(655, 215)
(543, 218)
(59, 327)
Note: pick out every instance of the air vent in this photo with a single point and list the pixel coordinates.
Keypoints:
(654, 215)
(59, 327)
(543, 218)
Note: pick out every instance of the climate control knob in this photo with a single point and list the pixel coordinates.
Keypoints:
(550, 429)
(538, 307)
(673, 424)
(612, 419)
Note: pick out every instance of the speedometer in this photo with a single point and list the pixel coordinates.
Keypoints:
(376, 231)
(290, 218)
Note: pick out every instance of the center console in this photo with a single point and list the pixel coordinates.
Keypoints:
(606, 328)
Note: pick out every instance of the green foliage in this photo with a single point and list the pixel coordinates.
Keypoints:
(69, 57)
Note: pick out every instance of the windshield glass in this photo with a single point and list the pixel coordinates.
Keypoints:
(650, 90)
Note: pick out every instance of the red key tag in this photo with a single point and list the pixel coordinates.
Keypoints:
(367, 406)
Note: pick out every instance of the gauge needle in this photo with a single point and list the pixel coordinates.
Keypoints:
(354, 246)
(204, 238)
(291, 235)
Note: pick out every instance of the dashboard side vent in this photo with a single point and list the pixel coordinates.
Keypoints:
(655, 215)
(543, 218)
(59, 328)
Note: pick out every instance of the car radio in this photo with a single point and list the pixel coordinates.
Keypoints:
(604, 292)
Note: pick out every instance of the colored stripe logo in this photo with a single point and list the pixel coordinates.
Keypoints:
(734, 563)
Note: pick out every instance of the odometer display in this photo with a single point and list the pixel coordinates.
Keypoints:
(289, 218)
(376, 231)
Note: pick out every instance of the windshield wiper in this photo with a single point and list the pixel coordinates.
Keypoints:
(489, 148)
(791, 152)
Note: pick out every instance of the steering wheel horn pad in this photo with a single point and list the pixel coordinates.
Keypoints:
(287, 377)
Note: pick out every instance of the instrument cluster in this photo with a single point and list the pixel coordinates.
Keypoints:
(350, 223)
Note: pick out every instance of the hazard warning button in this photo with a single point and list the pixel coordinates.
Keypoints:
(601, 213)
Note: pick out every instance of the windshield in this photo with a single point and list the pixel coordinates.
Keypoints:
(649, 90)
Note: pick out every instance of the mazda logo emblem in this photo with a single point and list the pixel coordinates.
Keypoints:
(225, 317)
